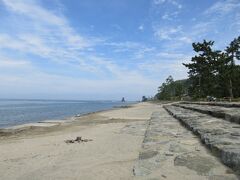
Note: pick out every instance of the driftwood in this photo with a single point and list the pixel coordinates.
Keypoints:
(78, 139)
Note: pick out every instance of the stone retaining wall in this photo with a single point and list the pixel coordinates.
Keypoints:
(223, 104)
(229, 114)
(222, 137)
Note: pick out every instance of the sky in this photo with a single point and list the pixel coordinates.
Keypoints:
(104, 50)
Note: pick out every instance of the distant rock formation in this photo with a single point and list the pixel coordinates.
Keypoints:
(144, 99)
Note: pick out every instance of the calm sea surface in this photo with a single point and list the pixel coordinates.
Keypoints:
(16, 112)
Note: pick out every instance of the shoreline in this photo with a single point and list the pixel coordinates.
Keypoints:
(44, 153)
(139, 142)
(48, 123)
(18, 112)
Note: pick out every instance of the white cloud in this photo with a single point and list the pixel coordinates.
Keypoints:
(138, 50)
(47, 18)
(186, 39)
(161, 69)
(167, 33)
(159, 1)
(11, 63)
(236, 23)
(223, 7)
(141, 53)
(28, 80)
(141, 28)
(47, 27)
(200, 29)
(178, 5)
(170, 16)
(172, 55)
(173, 2)
(28, 43)
(124, 46)
(52, 38)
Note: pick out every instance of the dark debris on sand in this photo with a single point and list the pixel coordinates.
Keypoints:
(78, 139)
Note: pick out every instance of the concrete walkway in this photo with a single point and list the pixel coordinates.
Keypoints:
(231, 114)
(170, 151)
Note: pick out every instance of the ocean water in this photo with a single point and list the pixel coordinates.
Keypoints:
(17, 112)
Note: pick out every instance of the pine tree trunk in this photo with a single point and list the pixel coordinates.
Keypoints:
(230, 90)
(230, 81)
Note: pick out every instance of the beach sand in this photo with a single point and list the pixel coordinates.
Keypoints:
(41, 153)
(116, 139)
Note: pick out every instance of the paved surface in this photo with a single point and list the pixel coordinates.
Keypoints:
(170, 151)
(231, 114)
(223, 104)
(222, 137)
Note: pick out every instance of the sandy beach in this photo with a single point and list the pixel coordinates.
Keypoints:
(116, 138)
(41, 153)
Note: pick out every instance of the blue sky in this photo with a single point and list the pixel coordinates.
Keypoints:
(91, 49)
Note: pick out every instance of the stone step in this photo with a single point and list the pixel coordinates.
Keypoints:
(229, 114)
(222, 104)
(222, 137)
(170, 151)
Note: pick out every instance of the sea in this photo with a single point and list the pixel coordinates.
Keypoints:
(17, 112)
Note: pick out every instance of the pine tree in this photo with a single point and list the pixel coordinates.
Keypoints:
(233, 53)
(201, 69)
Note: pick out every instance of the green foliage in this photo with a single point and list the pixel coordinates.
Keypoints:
(214, 73)
(211, 73)
(171, 89)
